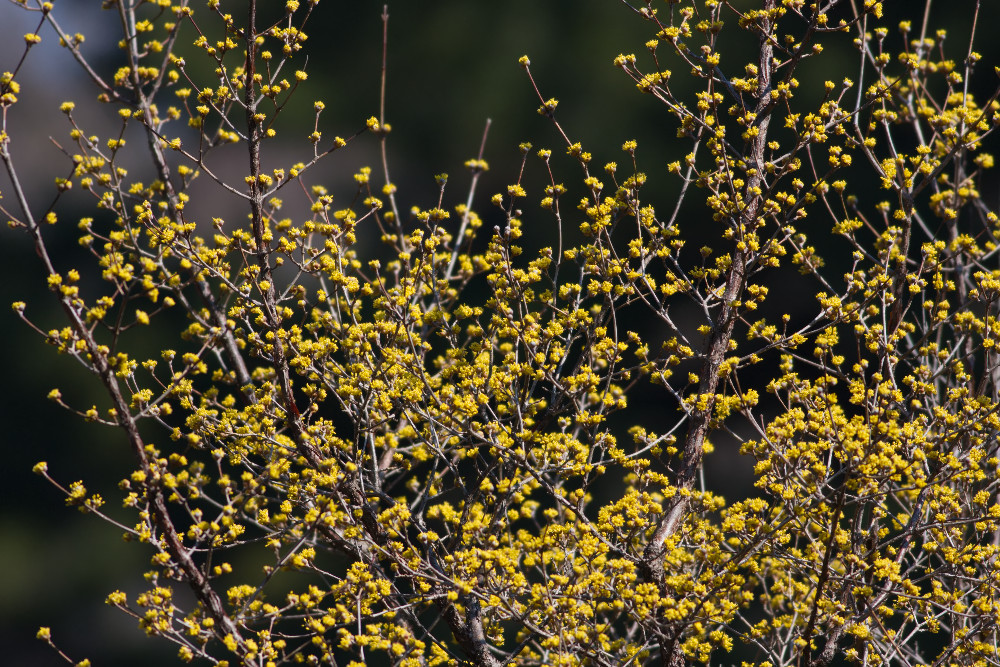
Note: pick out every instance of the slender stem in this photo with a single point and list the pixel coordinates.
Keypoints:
(265, 279)
(381, 122)
(467, 214)
(824, 576)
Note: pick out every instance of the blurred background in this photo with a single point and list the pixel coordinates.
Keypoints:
(452, 64)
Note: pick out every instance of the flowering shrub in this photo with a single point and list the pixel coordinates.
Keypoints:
(413, 453)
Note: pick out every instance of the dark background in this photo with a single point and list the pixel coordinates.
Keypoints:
(452, 64)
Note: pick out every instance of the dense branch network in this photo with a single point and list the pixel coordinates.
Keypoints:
(420, 444)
